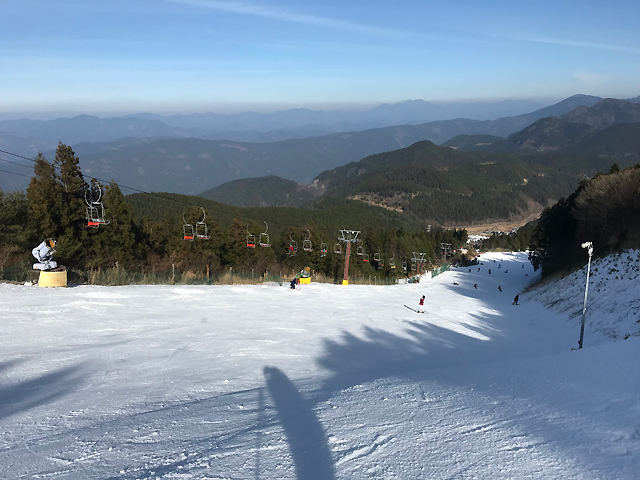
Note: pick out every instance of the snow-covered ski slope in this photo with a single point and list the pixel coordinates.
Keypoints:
(321, 382)
(614, 297)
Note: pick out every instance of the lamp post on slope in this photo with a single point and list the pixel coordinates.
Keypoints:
(589, 246)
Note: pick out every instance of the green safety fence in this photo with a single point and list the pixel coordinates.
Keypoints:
(445, 267)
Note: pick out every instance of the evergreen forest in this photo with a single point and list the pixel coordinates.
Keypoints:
(146, 231)
(604, 210)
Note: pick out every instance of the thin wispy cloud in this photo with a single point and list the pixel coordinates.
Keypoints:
(285, 15)
(575, 43)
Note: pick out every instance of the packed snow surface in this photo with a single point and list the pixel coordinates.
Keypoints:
(321, 382)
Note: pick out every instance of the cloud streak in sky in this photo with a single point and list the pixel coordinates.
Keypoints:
(576, 43)
(289, 16)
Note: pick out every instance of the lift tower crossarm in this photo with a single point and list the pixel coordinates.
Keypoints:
(418, 258)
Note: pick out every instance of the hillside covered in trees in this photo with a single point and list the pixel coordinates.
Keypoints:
(441, 185)
(604, 210)
(146, 233)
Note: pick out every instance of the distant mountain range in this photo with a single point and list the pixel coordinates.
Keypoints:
(251, 126)
(436, 184)
(538, 164)
(263, 192)
(607, 127)
(190, 165)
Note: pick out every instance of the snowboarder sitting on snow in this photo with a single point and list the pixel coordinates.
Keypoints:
(515, 300)
(456, 283)
(421, 307)
(475, 285)
(292, 283)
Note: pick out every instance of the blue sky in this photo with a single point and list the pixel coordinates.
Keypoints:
(169, 56)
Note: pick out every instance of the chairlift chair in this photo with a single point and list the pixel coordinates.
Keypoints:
(306, 244)
(264, 237)
(365, 257)
(376, 257)
(392, 264)
(293, 246)
(202, 232)
(414, 266)
(251, 239)
(404, 265)
(323, 249)
(337, 248)
(187, 230)
(95, 212)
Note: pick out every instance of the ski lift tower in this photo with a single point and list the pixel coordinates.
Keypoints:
(348, 237)
(418, 258)
(446, 247)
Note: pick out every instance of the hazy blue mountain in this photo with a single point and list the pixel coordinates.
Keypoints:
(21, 145)
(605, 113)
(190, 166)
(580, 130)
(408, 112)
(550, 133)
(262, 192)
(86, 128)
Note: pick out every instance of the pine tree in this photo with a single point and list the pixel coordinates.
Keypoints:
(72, 188)
(44, 202)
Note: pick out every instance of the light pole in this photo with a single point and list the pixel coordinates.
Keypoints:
(589, 246)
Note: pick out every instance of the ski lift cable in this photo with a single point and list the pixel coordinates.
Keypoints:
(18, 174)
(15, 163)
(137, 190)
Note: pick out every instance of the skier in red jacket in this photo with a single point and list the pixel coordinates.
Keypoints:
(421, 307)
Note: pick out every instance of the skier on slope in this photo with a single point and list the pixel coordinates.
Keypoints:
(292, 283)
(421, 305)
(515, 300)
(499, 288)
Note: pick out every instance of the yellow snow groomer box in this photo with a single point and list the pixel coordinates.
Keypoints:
(52, 279)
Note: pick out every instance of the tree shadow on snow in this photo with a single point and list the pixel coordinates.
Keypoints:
(27, 394)
(377, 353)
